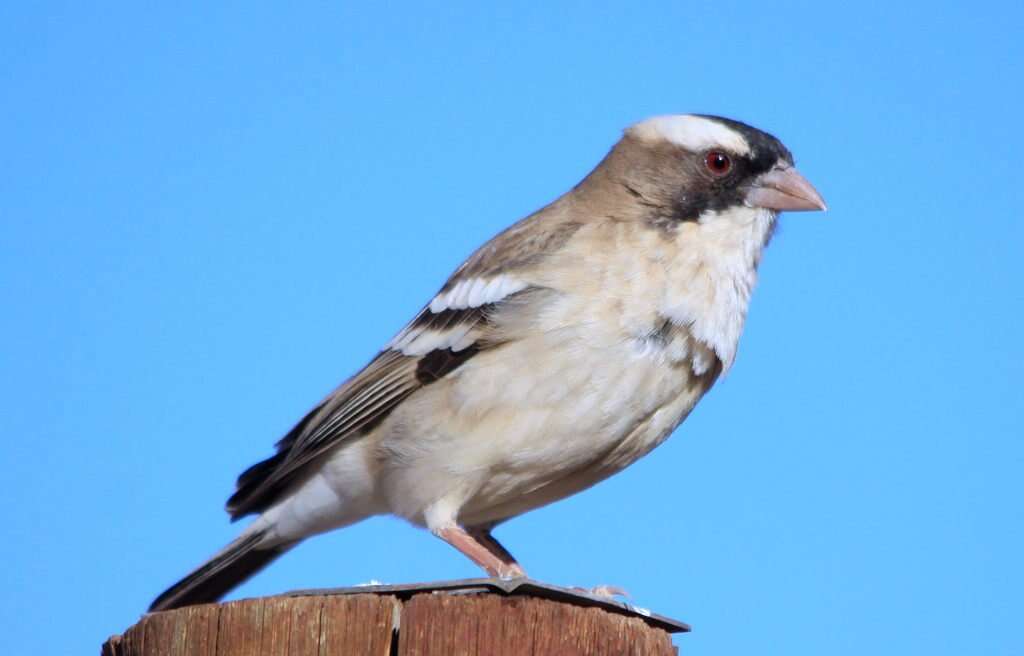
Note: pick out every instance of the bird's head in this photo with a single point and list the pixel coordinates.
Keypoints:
(698, 168)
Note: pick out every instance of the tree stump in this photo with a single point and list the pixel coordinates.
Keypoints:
(476, 617)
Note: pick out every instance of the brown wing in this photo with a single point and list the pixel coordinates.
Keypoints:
(435, 343)
(453, 328)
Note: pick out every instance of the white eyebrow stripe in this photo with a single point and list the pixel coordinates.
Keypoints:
(475, 292)
(694, 133)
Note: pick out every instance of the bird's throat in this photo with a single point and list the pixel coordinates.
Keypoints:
(713, 273)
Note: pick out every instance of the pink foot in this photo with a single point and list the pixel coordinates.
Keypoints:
(607, 591)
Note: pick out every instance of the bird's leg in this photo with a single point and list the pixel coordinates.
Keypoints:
(484, 537)
(496, 562)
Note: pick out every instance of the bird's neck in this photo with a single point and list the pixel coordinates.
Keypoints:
(712, 274)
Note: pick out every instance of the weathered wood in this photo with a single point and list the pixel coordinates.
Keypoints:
(271, 626)
(416, 623)
(492, 625)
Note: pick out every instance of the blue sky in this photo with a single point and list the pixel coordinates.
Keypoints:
(212, 215)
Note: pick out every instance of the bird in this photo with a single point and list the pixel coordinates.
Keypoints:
(561, 351)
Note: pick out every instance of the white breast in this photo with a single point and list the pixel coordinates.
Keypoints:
(713, 272)
(594, 378)
(536, 421)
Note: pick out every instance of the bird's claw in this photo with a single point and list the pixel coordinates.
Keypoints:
(606, 591)
(512, 571)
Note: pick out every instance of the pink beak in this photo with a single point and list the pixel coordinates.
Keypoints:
(784, 189)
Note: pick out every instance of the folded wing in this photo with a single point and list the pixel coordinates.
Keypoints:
(453, 328)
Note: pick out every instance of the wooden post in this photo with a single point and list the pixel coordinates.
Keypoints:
(478, 617)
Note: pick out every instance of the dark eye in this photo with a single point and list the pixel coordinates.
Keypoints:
(717, 162)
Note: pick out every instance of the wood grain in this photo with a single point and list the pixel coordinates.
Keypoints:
(426, 624)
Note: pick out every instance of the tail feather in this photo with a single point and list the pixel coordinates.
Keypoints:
(234, 564)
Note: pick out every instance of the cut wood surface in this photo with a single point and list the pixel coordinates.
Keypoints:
(423, 624)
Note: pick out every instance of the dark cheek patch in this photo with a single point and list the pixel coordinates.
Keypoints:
(697, 193)
(689, 204)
